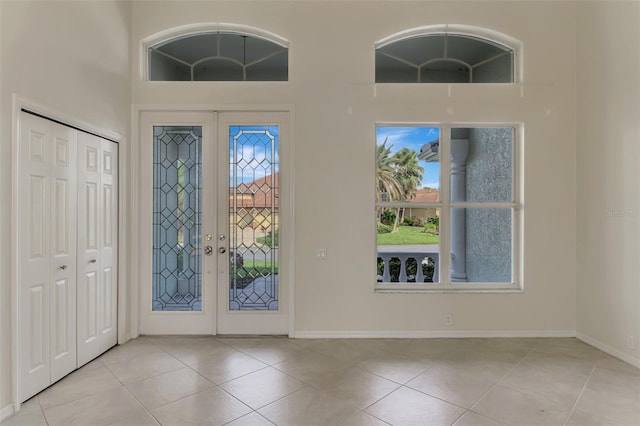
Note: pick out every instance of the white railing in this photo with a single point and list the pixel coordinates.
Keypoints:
(403, 254)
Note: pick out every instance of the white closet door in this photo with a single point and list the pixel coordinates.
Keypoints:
(47, 262)
(97, 242)
(63, 232)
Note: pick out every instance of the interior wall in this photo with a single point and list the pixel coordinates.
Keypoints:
(72, 58)
(336, 108)
(608, 82)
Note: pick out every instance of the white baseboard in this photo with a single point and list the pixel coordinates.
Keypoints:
(6, 412)
(609, 349)
(424, 334)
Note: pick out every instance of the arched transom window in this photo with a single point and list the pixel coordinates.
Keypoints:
(218, 56)
(444, 58)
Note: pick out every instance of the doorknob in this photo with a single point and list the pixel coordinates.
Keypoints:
(222, 250)
(208, 250)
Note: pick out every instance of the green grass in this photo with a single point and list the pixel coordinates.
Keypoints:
(256, 268)
(407, 235)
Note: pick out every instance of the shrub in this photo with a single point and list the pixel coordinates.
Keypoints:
(384, 229)
(412, 221)
(432, 226)
(271, 239)
(388, 217)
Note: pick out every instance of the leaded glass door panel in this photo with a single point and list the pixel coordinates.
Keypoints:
(250, 297)
(180, 294)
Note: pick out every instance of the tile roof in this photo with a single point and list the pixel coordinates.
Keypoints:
(257, 194)
(426, 195)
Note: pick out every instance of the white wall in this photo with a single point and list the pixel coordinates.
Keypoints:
(73, 58)
(608, 82)
(336, 108)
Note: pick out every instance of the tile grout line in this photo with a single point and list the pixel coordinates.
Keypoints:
(575, 403)
(499, 381)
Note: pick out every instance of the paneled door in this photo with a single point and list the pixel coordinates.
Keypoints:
(210, 209)
(46, 253)
(97, 246)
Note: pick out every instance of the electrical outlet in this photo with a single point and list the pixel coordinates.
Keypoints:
(448, 319)
(631, 342)
(321, 253)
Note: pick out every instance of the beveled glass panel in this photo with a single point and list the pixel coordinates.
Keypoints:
(177, 194)
(253, 218)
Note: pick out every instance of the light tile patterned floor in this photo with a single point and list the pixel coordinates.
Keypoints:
(173, 380)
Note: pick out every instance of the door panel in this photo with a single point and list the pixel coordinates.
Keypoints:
(97, 214)
(108, 249)
(179, 297)
(63, 273)
(47, 262)
(251, 300)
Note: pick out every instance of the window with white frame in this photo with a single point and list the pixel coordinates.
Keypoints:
(446, 207)
(444, 57)
(221, 55)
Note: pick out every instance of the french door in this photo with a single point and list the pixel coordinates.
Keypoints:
(211, 214)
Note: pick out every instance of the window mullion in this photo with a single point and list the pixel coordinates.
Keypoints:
(482, 205)
(445, 212)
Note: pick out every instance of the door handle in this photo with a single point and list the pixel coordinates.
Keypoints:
(208, 250)
(222, 250)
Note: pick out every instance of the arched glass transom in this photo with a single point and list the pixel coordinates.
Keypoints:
(218, 56)
(444, 58)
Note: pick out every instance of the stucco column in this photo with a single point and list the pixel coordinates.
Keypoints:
(459, 152)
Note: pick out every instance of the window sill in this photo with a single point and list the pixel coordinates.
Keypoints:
(450, 288)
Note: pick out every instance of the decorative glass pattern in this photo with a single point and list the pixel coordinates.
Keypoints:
(177, 176)
(253, 217)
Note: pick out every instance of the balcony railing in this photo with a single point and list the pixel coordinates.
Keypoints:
(427, 254)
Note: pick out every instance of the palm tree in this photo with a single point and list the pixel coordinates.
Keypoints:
(386, 181)
(408, 173)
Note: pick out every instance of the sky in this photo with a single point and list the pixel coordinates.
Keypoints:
(413, 138)
(253, 158)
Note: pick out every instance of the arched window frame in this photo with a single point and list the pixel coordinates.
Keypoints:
(481, 33)
(189, 30)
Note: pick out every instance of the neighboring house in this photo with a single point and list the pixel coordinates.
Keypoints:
(256, 203)
(424, 195)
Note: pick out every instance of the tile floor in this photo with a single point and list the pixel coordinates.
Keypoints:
(173, 380)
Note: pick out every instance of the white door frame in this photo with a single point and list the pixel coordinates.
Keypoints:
(18, 104)
(137, 245)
